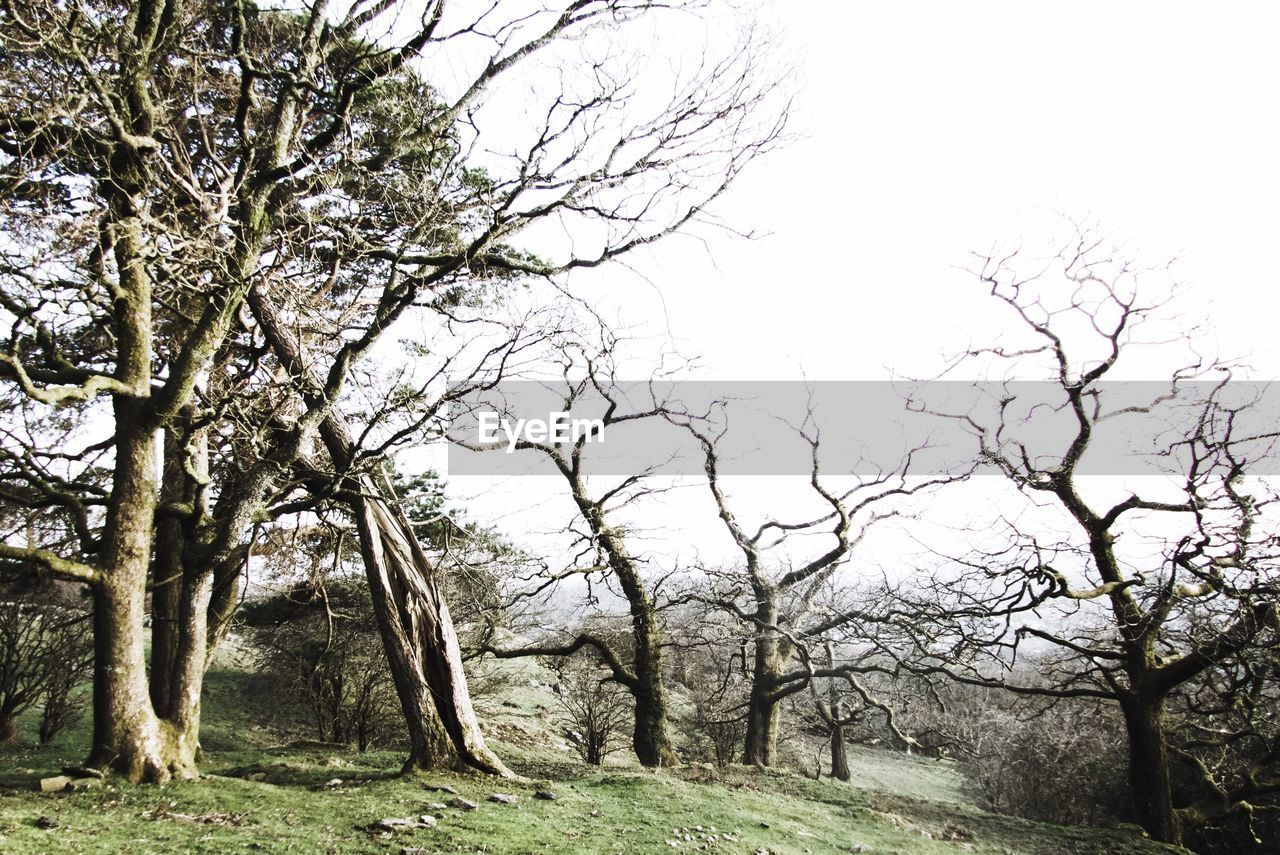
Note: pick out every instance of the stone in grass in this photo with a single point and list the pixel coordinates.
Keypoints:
(441, 788)
(46, 822)
(404, 823)
(56, 784)
(503, 798)
(436, 806)
(545, 795)
(462, 804)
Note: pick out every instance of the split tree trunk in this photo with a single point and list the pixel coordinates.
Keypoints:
(422, 647)
(413, 619)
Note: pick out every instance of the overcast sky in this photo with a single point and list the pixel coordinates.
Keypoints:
(930, 129)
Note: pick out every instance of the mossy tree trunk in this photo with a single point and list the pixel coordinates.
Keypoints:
(651, 738)
(128, 734)
(1149, 775)
(839, 753)
(761, 738)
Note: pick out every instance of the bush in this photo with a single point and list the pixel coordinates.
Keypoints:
(46, 653)
(596, 709)
(321, 647)
(1065, 763)
(1060, 761)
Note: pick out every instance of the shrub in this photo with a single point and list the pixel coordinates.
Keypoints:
(597, 710)
(321, 646)
(46, 653)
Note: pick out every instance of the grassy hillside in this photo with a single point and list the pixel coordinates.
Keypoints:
(258, 796)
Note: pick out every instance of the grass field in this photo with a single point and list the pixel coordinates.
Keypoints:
(259, 796)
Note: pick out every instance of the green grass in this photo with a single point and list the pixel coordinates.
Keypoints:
(609, 811)
(897, 804)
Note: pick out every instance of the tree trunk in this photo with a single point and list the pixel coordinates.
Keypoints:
(180, 597)
(839, 754)
(762, 703)
(1149, 779)
(421, 645)
(8, 727)
(128, 736)
(762, 726)
(651, 738)
(181, 642)
(166, 608)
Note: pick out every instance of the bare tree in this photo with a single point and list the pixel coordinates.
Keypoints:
(318, 643)
(708, 658)
(597, 708)
(785, 603)
(635, 659)
(1141, 600)
(44, 657)
(837, 717)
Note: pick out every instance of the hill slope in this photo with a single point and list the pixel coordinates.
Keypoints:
(320, 800)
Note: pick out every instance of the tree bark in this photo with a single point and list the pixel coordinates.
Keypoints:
(419, 636)
(651, 738)
(839, 754)
(413, 618)
(128, 736)
(762, 726)
(1149, 778)
(421, 646)
(762, 703)
(180, 640)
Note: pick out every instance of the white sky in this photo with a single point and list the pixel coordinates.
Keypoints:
(930, 129)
